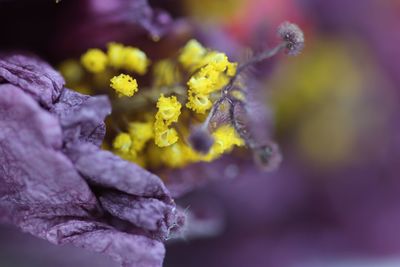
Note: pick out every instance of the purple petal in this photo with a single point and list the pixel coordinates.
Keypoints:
(33, 75)
(147, 213)
(82, 117)
(108, 170)
(29, 141)
(127, 249)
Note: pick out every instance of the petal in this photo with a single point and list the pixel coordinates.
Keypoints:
(32, 75)
(108, 170)
(36, 180)
(127, 249)
(147, 213)
(29, 141)
(82, 117)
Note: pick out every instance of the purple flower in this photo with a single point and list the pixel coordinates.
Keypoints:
(55, 181)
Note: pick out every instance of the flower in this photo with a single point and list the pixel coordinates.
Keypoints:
(56, 182)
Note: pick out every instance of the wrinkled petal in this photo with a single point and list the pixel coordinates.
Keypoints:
(33, 75)
(82, 117)
(43, 192)
(137, 251)
(147, 213)
(108, 170)
(29, 141)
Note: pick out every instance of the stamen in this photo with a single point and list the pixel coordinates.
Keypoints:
(94, 60)
(128, 58)
(124, 84)
(157, 121)
(122, 142)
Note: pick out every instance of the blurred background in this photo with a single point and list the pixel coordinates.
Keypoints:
(335, 201)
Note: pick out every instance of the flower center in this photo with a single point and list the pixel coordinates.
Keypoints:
(152, 121)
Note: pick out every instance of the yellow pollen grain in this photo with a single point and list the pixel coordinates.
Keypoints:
(94, 60)
(141, 133)
(165, 137)
(169, 109)
(191, 54)
(122, 142)
(115, 53)
(199, 103)
(135, 60)
(124, 85)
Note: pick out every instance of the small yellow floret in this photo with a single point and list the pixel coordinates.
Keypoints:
(165, 137)
(199, 103)
(191, 54)
(122, 142)
(115, 53)
(200, 84)
(217, 59)
(94, 60)
(124, 85)
(135, 60)
(141, 132)
(169, 109)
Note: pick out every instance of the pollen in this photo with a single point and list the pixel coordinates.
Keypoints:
(165, 136)
(174, 156)
(199, 103)
(169, 109)
(116, 56)
(191, 54)
(124, 85)
(122, 142)
(127, 57)
(94, 60)
(157, 122)
(225, 138)
(135, 60)
(200, 84)
(141, 133)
